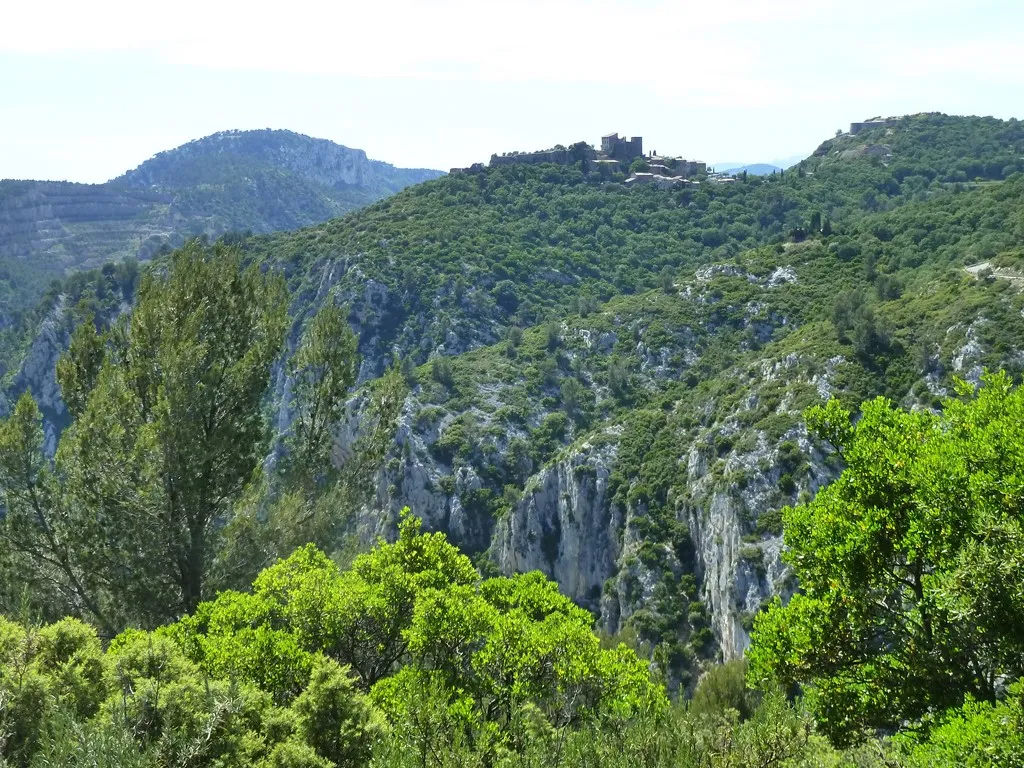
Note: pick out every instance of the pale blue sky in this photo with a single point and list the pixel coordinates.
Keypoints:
(89, 90)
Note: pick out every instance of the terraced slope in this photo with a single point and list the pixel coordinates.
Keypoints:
(255, 181)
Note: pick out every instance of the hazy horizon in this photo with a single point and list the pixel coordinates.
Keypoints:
(91, 92)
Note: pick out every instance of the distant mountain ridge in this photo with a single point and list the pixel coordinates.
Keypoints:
(754, 169)
(258, 181)
(318, 161)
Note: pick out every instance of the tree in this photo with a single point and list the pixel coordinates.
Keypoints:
(323, 369)
(977, 734)
(168, 431)
(265, 527)
(911, 565)
(668, 280)
(580, 152)
(334, 718)
(618, 377)
(552, 335)
(78, 369)
(42, 546)
(586, 304)
(505, 296)
(575, 397)
(441, 371)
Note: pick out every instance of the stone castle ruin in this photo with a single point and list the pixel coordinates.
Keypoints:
(616, 155)
(624, 150)
(876, 122)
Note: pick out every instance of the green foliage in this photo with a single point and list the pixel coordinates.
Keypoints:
(724, 688)
(976, 734)
(294, 754)
(123, 528)
(513, 245)
(455, 440)
(909, 565)
(334, 718)
(68, 653)
(78, 370)
(234, 637)
(92, 744)
(437, 657)
(776, 735)
(323, 369)
(441, 372)
(685, 394)
(575, 398)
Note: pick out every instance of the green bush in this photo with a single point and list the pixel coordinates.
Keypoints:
(335, 718)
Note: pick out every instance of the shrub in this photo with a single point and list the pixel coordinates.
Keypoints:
(334, 718)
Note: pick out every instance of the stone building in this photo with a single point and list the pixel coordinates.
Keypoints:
(615, 156)
(559, 155)
(622, 149)
(856, 128)
(676, 166)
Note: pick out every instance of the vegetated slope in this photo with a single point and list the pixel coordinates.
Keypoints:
(639, 450)
(448, 265)
(257, 181)
(218, 158)
(455, 261)
(933, 147)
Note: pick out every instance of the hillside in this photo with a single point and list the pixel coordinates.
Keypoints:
(223, 158)
(921, 149)
(598, 402)
(639, 452)
(258, 181)
(451, 264)
(607, 384)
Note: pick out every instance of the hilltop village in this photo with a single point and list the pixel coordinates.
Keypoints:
(617, 155)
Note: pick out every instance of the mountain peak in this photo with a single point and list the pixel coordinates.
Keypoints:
(321, 161)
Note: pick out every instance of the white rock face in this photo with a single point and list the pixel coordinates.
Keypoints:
(565, 526)
(966, 357)
(38, 374)
(717, 539)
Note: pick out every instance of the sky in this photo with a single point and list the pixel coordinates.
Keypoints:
(90, 90)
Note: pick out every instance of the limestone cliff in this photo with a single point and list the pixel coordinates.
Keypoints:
(566, 526)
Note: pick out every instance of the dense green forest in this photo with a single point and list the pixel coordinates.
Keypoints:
(522, 467)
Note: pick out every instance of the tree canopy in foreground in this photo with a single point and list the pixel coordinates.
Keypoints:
(910, 565)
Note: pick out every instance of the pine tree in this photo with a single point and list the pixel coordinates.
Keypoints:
(167, 432)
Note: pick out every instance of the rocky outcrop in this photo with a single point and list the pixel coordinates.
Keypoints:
(738, 572)
(38, 375)
(566, 526)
